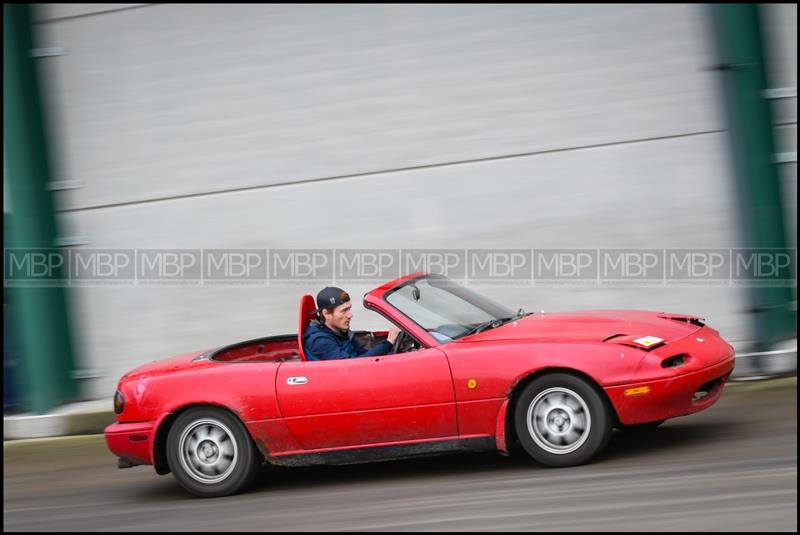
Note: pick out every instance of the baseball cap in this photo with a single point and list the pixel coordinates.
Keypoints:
(330, 297)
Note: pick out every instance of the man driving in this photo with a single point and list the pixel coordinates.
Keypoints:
(330, 338)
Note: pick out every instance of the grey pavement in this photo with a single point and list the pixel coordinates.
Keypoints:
(732, 467)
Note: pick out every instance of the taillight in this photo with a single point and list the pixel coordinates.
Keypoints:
(119, 402)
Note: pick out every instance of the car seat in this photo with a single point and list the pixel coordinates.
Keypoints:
(308, 312)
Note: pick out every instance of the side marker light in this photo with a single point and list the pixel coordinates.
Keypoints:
(638, 391)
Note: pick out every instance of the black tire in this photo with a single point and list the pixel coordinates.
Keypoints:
(638, 428)
(210, 453)
(569, 420)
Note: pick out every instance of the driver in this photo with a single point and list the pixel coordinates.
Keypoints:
(330, 337)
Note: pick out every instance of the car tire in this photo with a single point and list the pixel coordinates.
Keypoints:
(638, 428)
(210, 453)
(561, 420)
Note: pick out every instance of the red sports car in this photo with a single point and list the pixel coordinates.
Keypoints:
(465, 373)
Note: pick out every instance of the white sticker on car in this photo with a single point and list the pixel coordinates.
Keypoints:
(648, 341)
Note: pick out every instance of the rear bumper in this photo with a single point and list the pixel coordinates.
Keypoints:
(132, 442)
(668, 398)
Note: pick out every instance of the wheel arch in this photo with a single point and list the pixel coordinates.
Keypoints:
(160, 442)
(524, 381)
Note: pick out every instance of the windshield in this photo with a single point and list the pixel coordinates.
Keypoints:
(445, 309)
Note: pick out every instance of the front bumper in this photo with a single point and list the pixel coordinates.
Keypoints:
(131, 442)
(668, 398)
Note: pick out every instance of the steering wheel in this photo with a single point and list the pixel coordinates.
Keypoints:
(398, 342)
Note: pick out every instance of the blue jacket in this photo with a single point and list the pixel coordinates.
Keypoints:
(321, 343)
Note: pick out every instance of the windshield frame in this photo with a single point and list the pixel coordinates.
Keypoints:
(430, 340)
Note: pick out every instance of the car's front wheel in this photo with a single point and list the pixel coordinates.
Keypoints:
(210, 453)
(561, 420)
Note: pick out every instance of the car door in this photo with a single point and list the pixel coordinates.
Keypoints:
(368, 400)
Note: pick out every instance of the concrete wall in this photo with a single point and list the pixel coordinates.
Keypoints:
(397, 126)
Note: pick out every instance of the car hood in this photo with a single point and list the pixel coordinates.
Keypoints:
(618, 326)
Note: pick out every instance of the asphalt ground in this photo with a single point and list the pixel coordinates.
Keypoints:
(732, 467)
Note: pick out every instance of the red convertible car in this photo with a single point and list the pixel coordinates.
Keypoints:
(464, 374)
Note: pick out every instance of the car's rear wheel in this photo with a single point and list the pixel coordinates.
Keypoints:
(561, 420)
(210, 453)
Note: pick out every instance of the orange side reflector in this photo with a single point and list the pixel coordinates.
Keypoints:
(638, 391)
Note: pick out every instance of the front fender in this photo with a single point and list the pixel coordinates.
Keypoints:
(498, 366)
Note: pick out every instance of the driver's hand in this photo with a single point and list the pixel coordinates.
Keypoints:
(393, 334)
